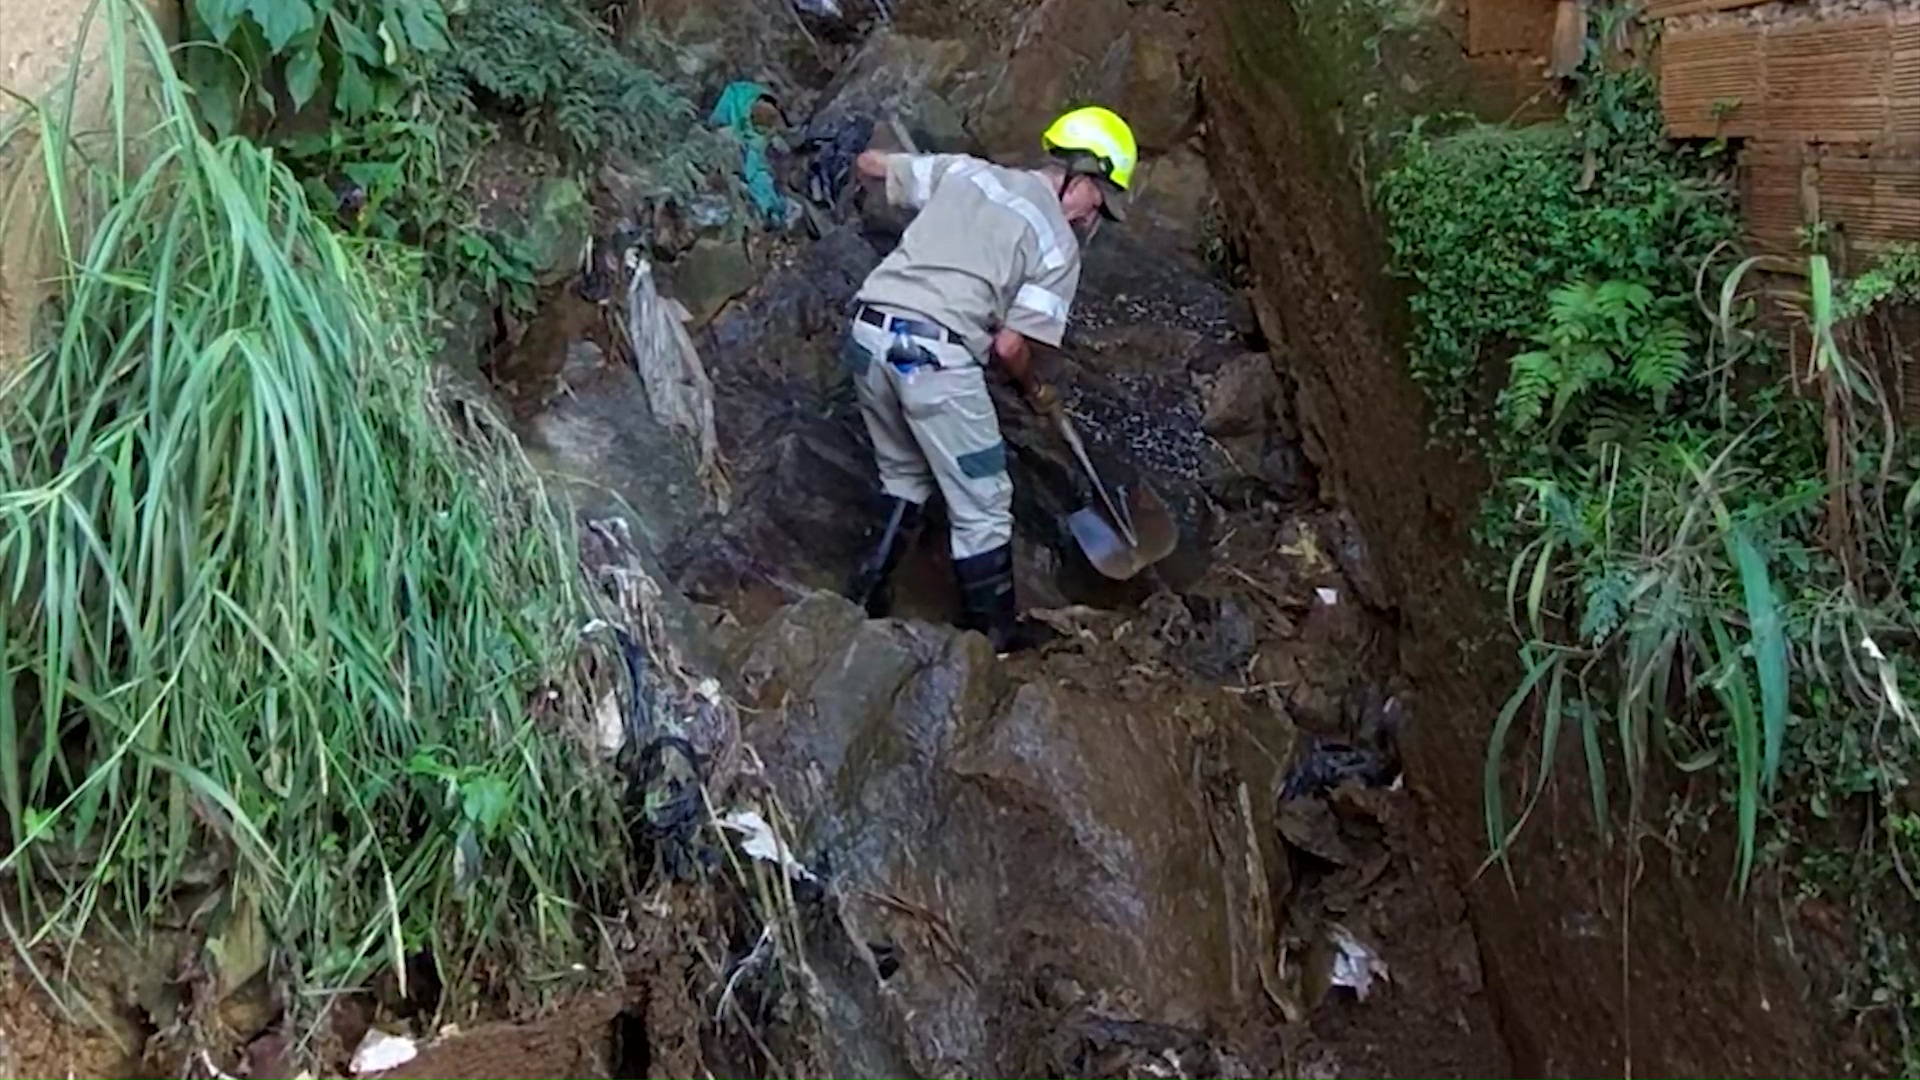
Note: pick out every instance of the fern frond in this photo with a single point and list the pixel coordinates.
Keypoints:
(1660, 361)
(1572, 305)
(1604, 603)
(1532, 379)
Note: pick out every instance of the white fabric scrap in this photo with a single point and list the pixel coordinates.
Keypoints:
(761, 843)
(380, 1051)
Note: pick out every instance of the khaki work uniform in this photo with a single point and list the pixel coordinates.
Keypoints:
(989, 249)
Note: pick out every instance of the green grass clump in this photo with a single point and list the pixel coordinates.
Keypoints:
(288, 633)
(1707, 527)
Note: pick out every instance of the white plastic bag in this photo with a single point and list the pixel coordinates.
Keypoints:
(678, 389)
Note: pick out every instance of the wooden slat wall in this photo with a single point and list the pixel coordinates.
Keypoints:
(1670, 9)
(1871, 194)
(1828, 108)
(1839, 80)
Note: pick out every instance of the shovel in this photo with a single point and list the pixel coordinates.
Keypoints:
(1130, 528)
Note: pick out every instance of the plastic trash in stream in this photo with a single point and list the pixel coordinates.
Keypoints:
(1355, 964)
(760, 842)
(831, 149)
(734, 111)
(1328, 763)
(1371, 758)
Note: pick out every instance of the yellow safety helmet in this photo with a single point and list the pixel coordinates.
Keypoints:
(1099, 135)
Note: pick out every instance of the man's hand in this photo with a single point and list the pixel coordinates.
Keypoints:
(1015, 357)
(1043, 398)
(871, 164)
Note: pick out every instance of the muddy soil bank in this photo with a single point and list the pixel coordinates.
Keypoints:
(1599, 964)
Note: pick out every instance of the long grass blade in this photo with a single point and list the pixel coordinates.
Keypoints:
(1736, 696)
(1492, 801)
(1769, 648)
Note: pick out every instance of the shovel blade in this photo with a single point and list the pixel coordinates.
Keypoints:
(1108, 550)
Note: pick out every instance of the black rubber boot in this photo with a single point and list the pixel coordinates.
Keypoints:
(872, 584)
(986, 589)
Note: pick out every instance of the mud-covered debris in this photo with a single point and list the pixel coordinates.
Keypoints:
(1311, 826)
(1222, 637)
(379, 1051)
(1329, 763)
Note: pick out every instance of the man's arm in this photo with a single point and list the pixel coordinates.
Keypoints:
(1014, 353)
(910, 178)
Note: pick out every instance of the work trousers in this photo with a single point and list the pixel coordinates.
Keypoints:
(933, 428)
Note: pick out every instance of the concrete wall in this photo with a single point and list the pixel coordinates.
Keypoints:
(39, 43)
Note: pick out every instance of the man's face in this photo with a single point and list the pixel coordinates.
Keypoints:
(1082, 205)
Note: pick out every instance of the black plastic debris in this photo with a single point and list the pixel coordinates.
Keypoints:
(1329, 763)
(830, 150)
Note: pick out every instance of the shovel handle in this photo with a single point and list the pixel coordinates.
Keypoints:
(901, 135)
(1072, 437)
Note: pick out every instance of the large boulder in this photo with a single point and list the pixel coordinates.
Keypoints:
(1007, 858)
(1128, 56)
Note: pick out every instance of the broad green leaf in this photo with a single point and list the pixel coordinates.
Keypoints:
(485, 800)
(216, 87)
(281, 20)
(425, 24)
(353, 40)
(303, 76)
(354, 97)
(221, 16)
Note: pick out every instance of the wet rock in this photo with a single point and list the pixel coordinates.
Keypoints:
(1156, 87)
(1173, 194)
(1125, 55)
(802, 639)
(558, 231)
(1240, 397)
(707, 277)
(895, 75)
(996, 837)
(601, 436)
(789, 428)
(467, 330)
(715, 41)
